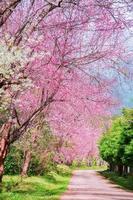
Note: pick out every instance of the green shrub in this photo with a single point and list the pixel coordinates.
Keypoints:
(35, 167)
(15, 158)
(63, 170)
(83, 163)
(75, 164)
(52, 175)
(94, 162)
(13, 162)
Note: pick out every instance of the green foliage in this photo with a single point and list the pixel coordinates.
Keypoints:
(116, 145)
(63, 169)
(127, 137)
(48, 163)
(87, 164)
(79, 163)
(110, 143)
(13, 161)
(42, 166)
(35, 167)
(75, 163)
(42, 151)
(83, 162)
(128, 155)
(52, 175)
(94, 162)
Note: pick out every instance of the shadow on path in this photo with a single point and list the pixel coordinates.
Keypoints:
(89, 185)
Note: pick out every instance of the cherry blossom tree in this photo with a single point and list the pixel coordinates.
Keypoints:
(60, 59)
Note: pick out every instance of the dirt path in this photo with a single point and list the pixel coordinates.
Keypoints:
(89, 185)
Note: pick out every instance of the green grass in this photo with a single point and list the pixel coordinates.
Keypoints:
(124, 181)
(33, 188)
(99, 168)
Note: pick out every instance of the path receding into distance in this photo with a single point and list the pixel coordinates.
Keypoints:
(89, 185)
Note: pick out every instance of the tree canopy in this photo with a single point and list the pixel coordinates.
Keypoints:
(116, 145)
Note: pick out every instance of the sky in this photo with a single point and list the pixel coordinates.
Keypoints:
(124, 91)
(126, 95)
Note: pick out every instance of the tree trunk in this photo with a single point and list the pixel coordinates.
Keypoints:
(131, 171)
(27, 159)
(111, 167)
(4, 145)
(125, 170)
(1, 170)
(120, 169)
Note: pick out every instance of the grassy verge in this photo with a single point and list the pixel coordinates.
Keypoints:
(33, 188)
(99, 168)
(124, 181)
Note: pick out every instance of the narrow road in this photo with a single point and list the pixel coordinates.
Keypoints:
(89, 185)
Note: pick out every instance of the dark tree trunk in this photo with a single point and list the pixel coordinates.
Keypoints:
(1, 170)
(27, 159)
(125, 170)
(111, 167)
(120, 169)
(115, 168)
(4, 145)
(131, 171)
